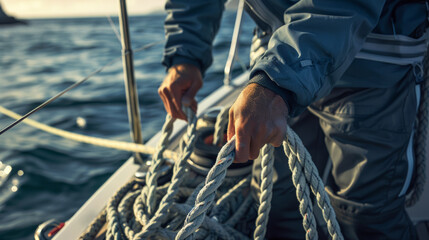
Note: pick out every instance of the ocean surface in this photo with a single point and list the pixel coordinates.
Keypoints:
(44, 176)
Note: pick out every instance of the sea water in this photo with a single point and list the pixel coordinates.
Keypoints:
(44, 176)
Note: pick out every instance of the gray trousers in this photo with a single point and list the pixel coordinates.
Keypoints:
(366, 133)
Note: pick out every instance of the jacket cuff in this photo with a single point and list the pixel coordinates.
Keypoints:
(182, 60)
(262, 79)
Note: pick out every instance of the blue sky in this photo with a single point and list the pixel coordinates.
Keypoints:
(76, 8)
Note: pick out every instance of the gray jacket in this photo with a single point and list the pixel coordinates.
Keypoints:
(313, 46)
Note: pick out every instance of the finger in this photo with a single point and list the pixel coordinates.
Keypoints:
(166, 102)
(276, 139)
(255, 148)
(173, 107)
(189, 95)
(277, 133)
(242, 144)
(231, 127)
(177, 102)
(258, 140)
(194, 106)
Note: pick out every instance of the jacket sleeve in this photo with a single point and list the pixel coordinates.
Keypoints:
(319, 40)
(190, 28)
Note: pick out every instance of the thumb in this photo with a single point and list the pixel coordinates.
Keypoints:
(189, 95)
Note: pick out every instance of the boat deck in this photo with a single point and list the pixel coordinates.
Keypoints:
(222, 97)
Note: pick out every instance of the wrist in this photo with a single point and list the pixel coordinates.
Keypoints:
(263, 80)
(185, 68)
(180, 60)
(266, 96)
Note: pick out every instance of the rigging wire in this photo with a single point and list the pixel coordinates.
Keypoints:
(115, 30)
(145, 47)
(55, 97)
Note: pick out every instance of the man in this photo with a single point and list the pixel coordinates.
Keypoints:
(353, 64)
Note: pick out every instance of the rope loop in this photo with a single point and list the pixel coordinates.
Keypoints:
(148, 192)
(266, 191)
(179, 174)
(304, 175)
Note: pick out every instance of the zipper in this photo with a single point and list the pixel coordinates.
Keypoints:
(263, 14)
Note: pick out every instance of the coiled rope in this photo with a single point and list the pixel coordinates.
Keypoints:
(304, 174)
(179, 175)
(130, 213)
(303, 170)
(421, 138)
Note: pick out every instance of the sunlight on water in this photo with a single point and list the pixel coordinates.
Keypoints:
(4, 172)
(81, 122)
(43, 176)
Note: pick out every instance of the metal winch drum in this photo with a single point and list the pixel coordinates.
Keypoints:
(204, 155)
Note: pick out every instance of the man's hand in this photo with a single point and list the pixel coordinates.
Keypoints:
(179, 88)
(258, 116)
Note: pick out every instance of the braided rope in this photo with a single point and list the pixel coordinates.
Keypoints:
(177, 178)
(118, 230)
(239, 213)
(142, 225)
(207, 223)
(303, 196)
(220, 125)
(225, 199)
(304, 174)
(266, 191)
(421, 140)
(207, 194)
(126, 223)
(300, 159)
(148, 192)
(113, 218)
(95, 226)
(129, 227)
(178, 220)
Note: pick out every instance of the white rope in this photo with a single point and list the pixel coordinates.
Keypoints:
(127, 214)
(206, 196)
(149, 190)
(176, 180)
(119, 145)
(220, 125)
(267, 163)
(301, 164)
(305, 176)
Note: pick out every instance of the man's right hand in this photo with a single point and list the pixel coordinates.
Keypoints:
(179, 88)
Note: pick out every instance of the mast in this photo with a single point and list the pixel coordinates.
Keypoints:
(130, 83)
